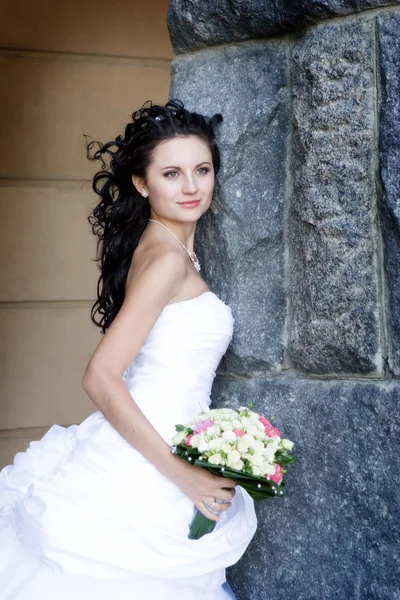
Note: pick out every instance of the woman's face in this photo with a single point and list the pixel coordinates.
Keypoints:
(181, 171)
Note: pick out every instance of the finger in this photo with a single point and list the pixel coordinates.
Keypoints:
(207, 512)
(224, 494)
(226, 482)
(221, 507)
(218, 505)
(224, 501)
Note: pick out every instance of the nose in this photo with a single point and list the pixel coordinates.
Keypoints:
(189, 184)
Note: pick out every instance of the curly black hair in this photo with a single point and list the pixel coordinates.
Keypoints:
(121, 215)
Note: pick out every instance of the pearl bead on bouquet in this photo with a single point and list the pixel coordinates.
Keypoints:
(237, 443)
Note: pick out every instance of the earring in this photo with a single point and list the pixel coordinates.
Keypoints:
(144, 194)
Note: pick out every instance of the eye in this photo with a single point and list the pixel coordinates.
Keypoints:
(171, 174)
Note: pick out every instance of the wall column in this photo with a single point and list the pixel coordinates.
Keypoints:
(303, 242)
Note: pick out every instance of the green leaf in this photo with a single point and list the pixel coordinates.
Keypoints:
(200, 526)
(180, 427)
(284, 458)
(248, 482)
(185, 451)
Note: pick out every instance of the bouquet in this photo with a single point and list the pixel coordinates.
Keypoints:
(235, 443)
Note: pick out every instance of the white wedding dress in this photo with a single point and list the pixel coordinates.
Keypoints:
(84, 516)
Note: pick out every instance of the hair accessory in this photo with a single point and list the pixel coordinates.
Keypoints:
(164, 117)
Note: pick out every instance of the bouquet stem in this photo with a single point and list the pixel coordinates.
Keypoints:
(200, 526)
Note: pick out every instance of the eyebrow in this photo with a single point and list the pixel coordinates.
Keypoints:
(202, 163)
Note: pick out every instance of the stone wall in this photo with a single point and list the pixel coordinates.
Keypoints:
(303, 242)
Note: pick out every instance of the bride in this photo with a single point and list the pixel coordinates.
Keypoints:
(102, 510)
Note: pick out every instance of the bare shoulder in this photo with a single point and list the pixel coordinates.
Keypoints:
(153, 282)
(161, 262)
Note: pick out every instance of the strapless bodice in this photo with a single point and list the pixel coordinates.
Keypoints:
(181, 354)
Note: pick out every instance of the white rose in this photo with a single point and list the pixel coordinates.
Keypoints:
(233, 456)
(203, 445)
(226, 426)
(215, 416)
(242, 446)
(224, 413)
(195, 440)
(213, 430)
(248, 439)
(257, 471)
(258, 447)
(179, 437)
(237, 465)
(215, 459)
(226, 447)
(229, 436)
(236, 423)
(267, 468)
(286, 444)
(215, 444)
(254, 416)
(269, 453)
(274, 442)
(213, 413)
(248, 456)
(256, 459)
(252, 430)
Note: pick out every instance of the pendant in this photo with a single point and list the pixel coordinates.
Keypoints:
(195, 261)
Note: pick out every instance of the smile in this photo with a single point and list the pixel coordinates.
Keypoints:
(190, 204)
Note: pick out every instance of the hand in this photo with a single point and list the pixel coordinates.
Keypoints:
(202, 487)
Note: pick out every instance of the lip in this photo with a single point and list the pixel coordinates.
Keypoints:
(190, 203)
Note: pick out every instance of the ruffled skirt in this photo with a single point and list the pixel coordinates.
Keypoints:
(85, 515)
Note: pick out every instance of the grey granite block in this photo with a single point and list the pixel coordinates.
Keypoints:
(196, 24)
(240, 240)
(336, 309)
(336, 532)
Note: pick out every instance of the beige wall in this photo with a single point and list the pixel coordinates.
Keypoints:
(66, 69)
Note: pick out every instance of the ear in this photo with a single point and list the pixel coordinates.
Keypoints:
(138, 183)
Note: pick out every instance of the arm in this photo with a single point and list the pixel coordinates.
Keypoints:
(156, 281)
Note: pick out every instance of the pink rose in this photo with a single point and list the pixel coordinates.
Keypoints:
(265, 422)
(238, 432)
(189, 437)
(278, 475)
(271, 431)
(202, 425)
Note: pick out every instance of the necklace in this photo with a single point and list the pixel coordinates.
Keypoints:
(193, 256)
